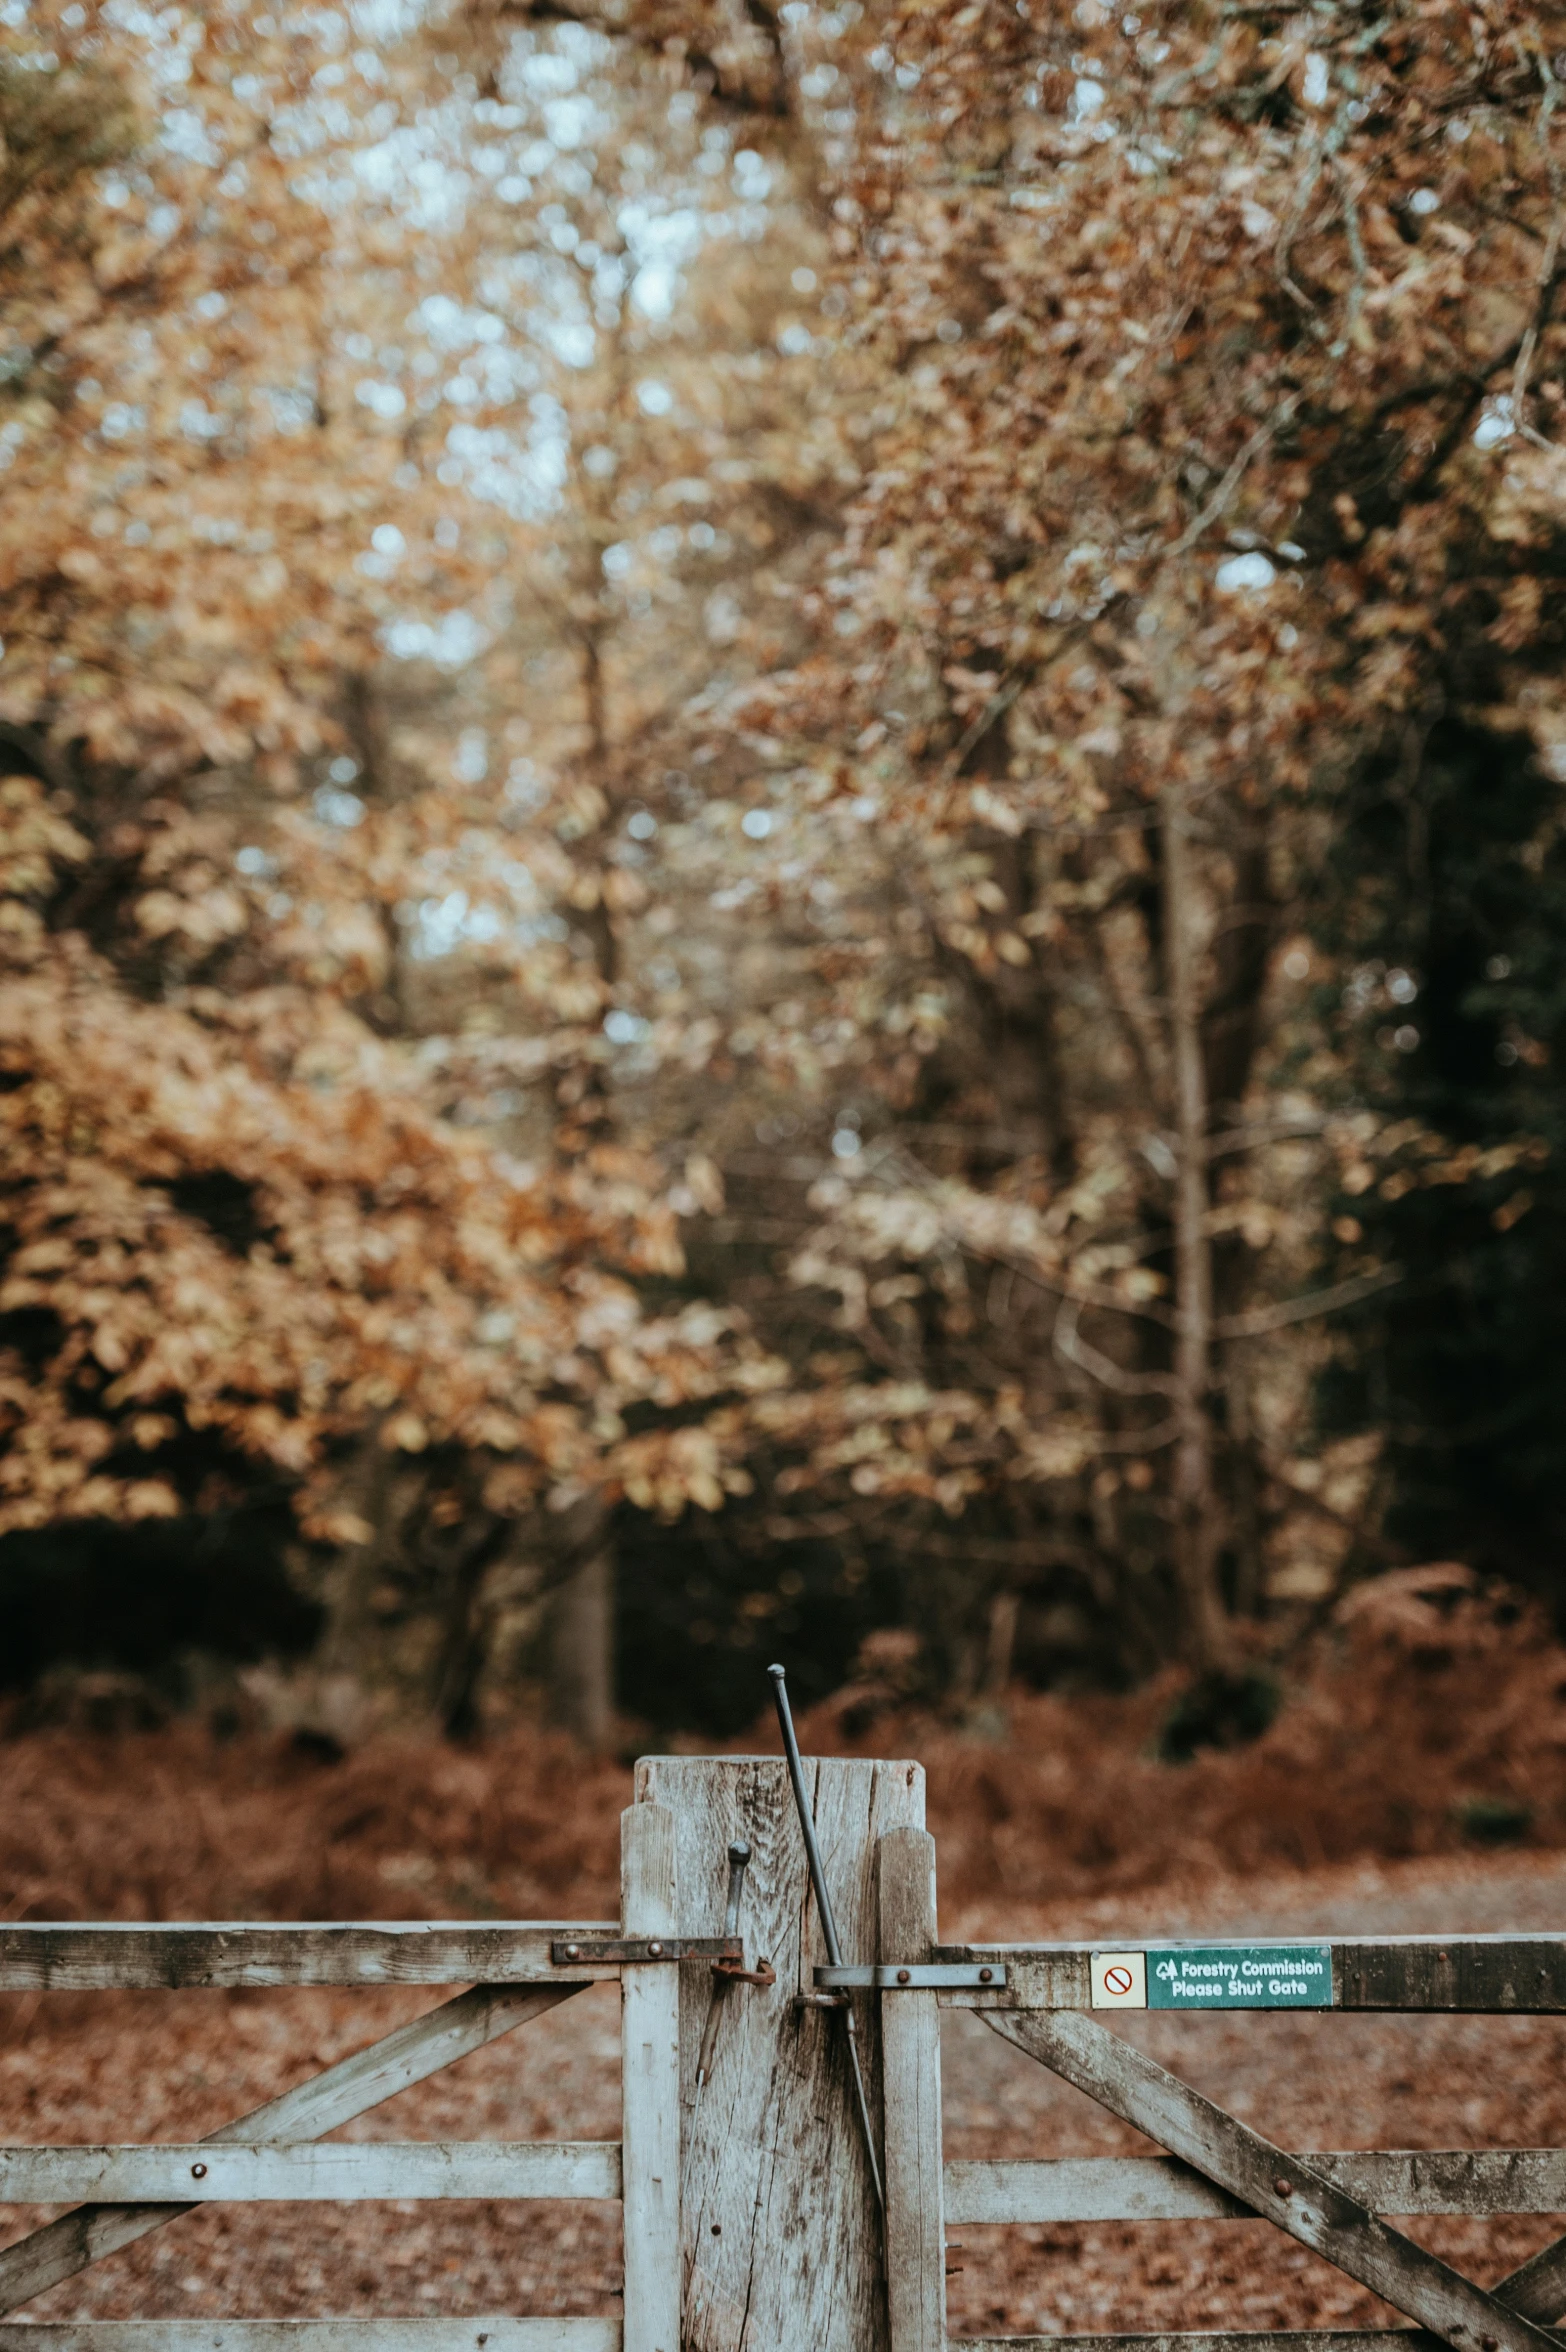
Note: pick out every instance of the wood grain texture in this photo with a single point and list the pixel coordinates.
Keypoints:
(650, 2085)
(310, 2171)
(911, 2092)
(314, 2335)
(1257, 2340)
(416, 2050)
(1160, 2188)
(39, 1957)
(1273, 2183)
(1501, 1975)
(781, 2238)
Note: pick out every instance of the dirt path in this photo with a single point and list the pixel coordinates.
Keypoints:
(158, 2066)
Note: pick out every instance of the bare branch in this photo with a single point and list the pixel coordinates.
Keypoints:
(1219, 501)
(1306, 1309)
(1073, 1349)
(1358, 263)
(1549, 259)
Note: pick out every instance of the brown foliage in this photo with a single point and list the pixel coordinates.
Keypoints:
(1429, 1699)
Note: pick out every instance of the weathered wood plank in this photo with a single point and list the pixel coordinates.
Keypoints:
(1538, 2287)
(37, 1956)
(781, 2235)
(310, 2171)
(1465, 1975)
(1259, 2340)
(911, 2086)
(497, 2334)
(650, 2085)
(1159, 2188)
(414, 2051)
(1278, 2186)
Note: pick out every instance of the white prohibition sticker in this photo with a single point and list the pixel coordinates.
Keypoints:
(1119, 1980)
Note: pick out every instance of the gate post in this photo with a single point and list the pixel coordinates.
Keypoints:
(911, 2073)
(781, 2247)
(650, 2086)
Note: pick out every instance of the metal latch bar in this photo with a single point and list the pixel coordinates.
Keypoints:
(628, 1951)
(913, 1976)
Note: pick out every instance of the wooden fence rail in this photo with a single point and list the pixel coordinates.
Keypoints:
(748, 2203)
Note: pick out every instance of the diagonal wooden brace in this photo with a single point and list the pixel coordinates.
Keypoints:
(420, 2048)
(1279, 2187)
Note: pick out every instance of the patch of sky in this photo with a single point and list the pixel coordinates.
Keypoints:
(184, 133)
(1251, 570)
(660, 243)
(1496, 424)
(386, 401)
(335, 806)
(441, 925)
(199, 423)
(292, 412)
(571, 122)
(451, 641)
(386, 21)
(471, 763)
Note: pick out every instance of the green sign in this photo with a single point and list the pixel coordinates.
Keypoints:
(1239, 1976)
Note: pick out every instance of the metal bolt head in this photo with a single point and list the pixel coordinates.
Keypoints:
(739, 1853)
(1284, 2188)
(573, 1951)
(198, 2172)
(655, 1951)
(903, 1976)
(1488, 2344)
(986, 1976)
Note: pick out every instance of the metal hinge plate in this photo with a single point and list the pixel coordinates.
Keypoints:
(913, 1977)
(628, 1951)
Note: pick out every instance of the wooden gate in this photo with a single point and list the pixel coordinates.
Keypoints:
(751, 2218)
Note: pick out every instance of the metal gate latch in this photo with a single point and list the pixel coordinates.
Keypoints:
(627, 1951)
(735, 1972)
(915, 1976)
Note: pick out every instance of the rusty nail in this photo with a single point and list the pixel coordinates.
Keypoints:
(986, 1976)
(655, 1951)
(1284, 2188)
(1488, 2343)
(198, 2172)
(717, 2229)
(1440, 1955)
(903, 1976)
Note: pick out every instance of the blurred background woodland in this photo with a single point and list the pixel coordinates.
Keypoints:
(782, 852)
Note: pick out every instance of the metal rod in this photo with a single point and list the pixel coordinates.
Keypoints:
(807, 1826)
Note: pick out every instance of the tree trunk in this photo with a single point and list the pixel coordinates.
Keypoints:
(581, 1647)
(1195, 1498)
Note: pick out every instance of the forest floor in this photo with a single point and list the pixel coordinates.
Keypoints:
(1351, 1814)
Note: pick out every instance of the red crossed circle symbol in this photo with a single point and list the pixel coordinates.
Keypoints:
(1118, 1980)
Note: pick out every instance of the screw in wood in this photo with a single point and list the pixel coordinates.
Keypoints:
(198, 2172)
